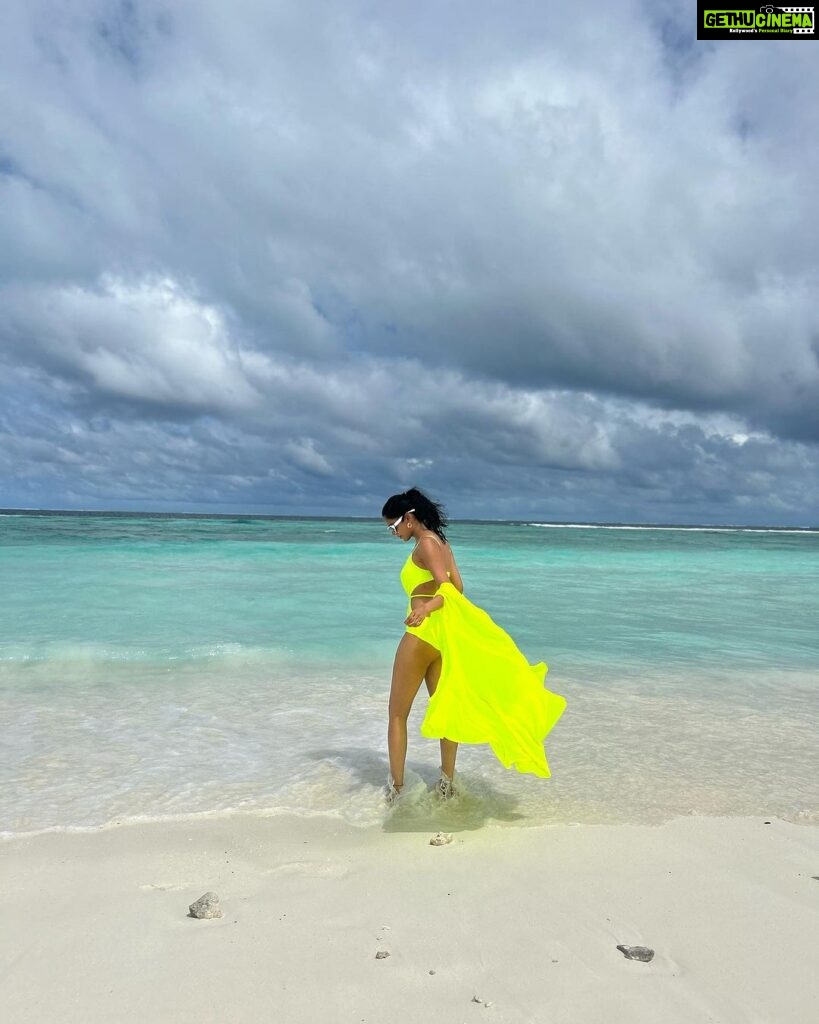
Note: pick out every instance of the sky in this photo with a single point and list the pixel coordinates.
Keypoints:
(544, 261)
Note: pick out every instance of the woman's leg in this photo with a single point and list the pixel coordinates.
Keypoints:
(449, 749)
(412, 659)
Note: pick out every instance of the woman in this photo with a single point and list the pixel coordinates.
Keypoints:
(482, 689)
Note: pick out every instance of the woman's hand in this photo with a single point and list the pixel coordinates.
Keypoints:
(417, 615)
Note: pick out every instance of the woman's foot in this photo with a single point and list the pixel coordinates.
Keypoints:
(391, 792)
(444, 788)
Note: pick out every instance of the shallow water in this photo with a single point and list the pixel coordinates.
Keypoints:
(155, 666)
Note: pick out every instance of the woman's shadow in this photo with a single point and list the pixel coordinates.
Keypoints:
(419, 809)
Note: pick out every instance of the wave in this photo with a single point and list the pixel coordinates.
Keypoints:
(676, 529)
(54, 652)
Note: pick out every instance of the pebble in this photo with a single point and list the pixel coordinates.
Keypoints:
(637, 953)
(206, 906)
(382, 954)
(441, 839)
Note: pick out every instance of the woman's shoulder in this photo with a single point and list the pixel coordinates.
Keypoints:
(432, 538)
(431, 542)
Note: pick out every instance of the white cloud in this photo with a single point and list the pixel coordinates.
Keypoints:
(147, 341)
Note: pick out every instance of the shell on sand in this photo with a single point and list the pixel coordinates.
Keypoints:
(441, 839)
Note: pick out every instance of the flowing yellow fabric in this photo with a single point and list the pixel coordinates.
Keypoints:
(488, 692)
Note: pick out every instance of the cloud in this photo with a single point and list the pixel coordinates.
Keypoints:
(495, 249)
(492, 452)
(303, 453)
(147, 342)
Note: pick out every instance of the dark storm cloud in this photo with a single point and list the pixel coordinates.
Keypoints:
(282, 254)
(332, 442)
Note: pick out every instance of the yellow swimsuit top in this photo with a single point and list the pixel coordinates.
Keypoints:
(413, 575)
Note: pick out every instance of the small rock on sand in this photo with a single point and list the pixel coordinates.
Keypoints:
(637, 953)
(441, 839)
(205, 907)
(382, 954)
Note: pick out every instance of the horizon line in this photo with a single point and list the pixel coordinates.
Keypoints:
(528, 521)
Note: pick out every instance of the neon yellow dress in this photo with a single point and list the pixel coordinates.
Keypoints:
(488, 692)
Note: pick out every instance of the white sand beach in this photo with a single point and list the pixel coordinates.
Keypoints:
(526, 920)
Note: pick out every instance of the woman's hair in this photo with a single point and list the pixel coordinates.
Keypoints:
(427, 511)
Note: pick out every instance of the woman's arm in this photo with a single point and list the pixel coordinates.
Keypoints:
(431, 554)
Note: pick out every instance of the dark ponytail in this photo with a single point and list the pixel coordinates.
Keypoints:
(427, 511)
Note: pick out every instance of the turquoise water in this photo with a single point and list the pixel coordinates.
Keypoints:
(154, 665)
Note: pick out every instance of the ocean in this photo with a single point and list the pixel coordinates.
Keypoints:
(156, 666)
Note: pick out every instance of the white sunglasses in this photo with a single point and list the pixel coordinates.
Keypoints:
(393, 527)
